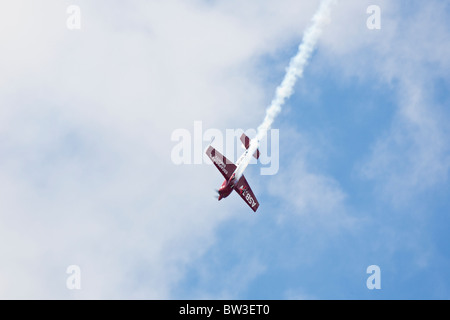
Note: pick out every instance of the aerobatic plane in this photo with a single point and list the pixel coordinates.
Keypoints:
(233, 173)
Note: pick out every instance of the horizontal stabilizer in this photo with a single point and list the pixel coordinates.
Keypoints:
(246, 142)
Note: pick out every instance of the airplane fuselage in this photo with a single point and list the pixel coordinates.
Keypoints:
(234, 173)
(228, 185)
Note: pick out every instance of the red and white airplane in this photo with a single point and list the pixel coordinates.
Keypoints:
(233, 173)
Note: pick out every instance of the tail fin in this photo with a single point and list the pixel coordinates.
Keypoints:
(246, 141)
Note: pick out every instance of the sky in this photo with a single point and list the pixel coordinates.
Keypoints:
(87, 171)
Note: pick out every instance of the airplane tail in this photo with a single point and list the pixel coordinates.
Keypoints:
(246, 141)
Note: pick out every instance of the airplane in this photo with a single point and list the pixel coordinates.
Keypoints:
(233, 173)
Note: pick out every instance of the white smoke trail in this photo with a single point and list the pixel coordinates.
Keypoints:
(293, 72)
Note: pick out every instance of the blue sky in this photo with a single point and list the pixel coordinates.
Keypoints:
(87, 179)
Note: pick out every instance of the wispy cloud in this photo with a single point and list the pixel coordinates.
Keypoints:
(85, 125)
(414, 154)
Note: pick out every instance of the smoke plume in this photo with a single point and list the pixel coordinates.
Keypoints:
(293, 72)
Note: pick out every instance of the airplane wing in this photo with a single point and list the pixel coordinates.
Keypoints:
(225, 166)
(246, 193)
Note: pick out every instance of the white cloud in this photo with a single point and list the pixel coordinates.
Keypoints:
(408, 53)
(415, 154)
(86, 121)
(85, 124)
(307, 194)
(412, 157)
